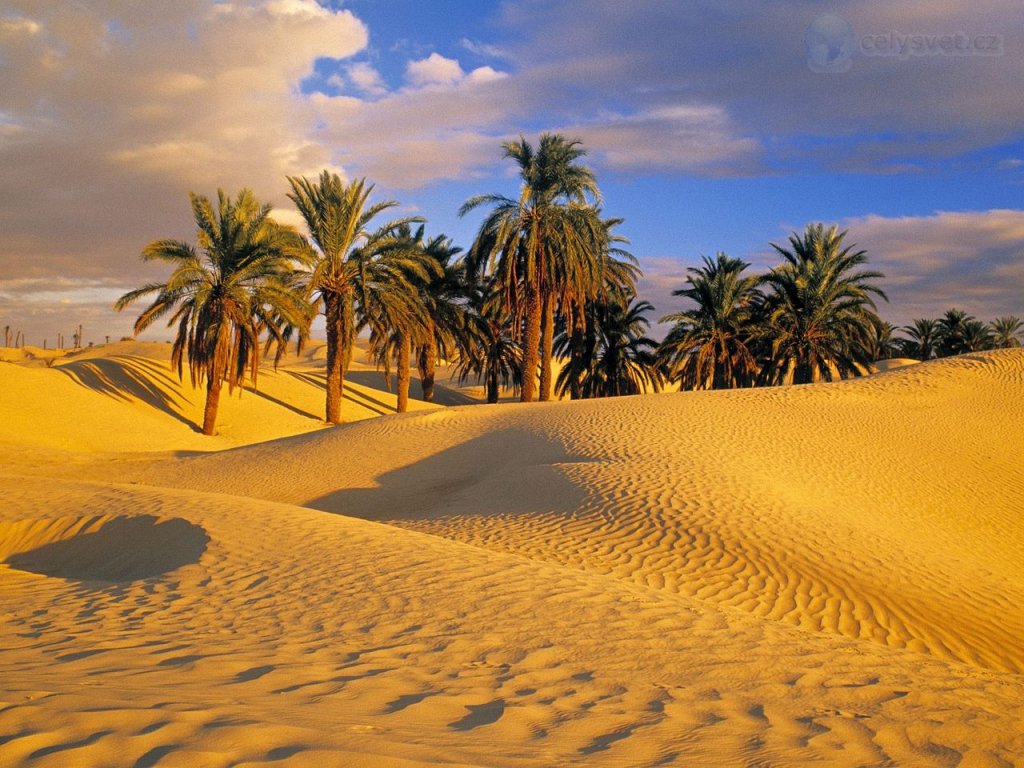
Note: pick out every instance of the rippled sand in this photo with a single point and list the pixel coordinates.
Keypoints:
(825, 574)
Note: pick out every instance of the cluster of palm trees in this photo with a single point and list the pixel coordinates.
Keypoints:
(545, 269)
(955, 333)
(546, 275)
(812, 318)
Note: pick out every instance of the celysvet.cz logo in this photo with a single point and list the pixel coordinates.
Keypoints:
(832, 44)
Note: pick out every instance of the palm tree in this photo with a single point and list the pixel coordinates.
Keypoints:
(388, 285)
(445, 301)
(882, 344)
(977, 336)
(624, 358)
(338, 216)
(1007, 332)
(953, 331)
(239, 284)
(709, 346)
(819, 313)
(543, 246)
(491, 352)
(577, 339)
(922, 339)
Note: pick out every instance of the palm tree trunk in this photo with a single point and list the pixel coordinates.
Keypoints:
(427, 363)
(547, 337)
(213, 387)
(333, 311)
(492, 386)
(404, 353)
(531, 344)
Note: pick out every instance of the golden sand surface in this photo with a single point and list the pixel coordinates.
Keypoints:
(826, 574)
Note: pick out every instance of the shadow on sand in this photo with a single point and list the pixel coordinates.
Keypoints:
(508, 471)
(124, 549)
(127, 378)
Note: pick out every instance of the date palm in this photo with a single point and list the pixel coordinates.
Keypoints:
(624, 358)
(389, 281)
(577, 341)
(542, 244)
(820, 314)
(977, 336)
(882, 343)
(954, 327)
(239, 284)
(490, 353)
(1007, 332)
(710, 345)
(922, 339)
(338, 216)
(447, 313)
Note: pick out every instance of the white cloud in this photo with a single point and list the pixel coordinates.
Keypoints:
(110, 112)
(485, 75)
(967, 259)
(366, 79)
(433, 70)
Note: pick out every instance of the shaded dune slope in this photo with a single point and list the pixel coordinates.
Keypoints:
(885, 509)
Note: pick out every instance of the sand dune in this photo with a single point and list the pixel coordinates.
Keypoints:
(828, 573)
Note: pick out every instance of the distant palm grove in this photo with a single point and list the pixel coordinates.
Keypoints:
(546, 276)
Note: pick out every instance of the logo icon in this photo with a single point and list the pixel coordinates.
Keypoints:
(830, 44)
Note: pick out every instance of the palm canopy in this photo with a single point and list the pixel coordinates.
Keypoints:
(820, 314)
(621, 358)
(223, 297)
(339, 218)
(491, 352)
(709, 347)
(578, 340)
(389, 282)
(1007, 332)
(959, 332)
(446, 302)
(922, 338)
(545, 246)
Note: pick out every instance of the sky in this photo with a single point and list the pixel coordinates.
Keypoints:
(712, 125)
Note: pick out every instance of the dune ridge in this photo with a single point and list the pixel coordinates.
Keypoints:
(827, 573)
(832, 510)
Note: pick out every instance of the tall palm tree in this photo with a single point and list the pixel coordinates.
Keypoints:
(223, 297)
(1007, 332)
(922, 339)
(544, 244)
(338, 216)
(820, 314)
(710, 345)
(953, 331)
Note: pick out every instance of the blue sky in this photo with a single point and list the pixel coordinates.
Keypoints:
(712, 125)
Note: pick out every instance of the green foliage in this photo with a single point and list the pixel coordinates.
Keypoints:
(239, 284)
(343, 264)
(1007, 332)
(546, 247)
(710, 345)
(819, 314)
(609, 355)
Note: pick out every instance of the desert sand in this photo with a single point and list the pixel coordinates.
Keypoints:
(826, 574)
